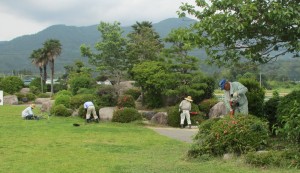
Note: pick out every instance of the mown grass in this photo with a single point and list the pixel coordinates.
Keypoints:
(55, 145)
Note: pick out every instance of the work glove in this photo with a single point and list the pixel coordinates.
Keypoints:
(235, 94)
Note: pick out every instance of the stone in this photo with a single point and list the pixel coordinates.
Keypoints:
(217, 111)
(106, 113)
(41, 100)
(147, 114)
(46, 105)
(160, 118)
(25, 90)
(10, 100)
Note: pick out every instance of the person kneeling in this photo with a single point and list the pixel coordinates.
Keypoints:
(27, 114)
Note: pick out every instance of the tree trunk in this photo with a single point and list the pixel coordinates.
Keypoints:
(52, 75)
(41, 74)
(45, 77)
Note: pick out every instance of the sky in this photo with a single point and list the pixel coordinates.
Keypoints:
(25, 17)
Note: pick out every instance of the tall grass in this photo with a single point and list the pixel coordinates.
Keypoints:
(54, 145)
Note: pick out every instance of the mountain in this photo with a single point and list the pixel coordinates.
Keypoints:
(14, 54)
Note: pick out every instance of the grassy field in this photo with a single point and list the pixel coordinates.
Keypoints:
(53, 145)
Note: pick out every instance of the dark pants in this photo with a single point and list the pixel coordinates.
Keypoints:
(31, 117)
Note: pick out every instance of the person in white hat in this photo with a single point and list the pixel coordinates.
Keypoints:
(27, 113)
(184, 109)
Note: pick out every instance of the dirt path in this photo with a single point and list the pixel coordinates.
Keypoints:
(185, 135)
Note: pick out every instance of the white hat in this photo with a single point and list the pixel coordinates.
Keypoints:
(189, 98)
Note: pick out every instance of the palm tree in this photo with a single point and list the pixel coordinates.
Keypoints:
(52, 49)
(38, 58)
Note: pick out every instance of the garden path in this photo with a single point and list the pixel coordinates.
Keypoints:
(185, 135)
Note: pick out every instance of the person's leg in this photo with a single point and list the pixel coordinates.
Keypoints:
(29, 117)
(95, 114)
(188, 118)
(88, 114)
(243, 109)
(182, 116)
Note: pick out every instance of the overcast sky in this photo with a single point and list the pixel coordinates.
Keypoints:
(23, 17)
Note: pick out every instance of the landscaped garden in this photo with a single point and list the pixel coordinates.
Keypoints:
(54, 145)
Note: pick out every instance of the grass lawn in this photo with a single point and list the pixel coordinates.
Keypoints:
(54, 145)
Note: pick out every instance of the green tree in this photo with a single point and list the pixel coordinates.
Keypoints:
(144, 44)
(253, 30)
(52, 49)
(38, 59)
(183, 67)
(111, 58)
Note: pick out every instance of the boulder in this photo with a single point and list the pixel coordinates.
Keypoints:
(218, 110)
(41, 100)
(25, 90)
(160, 118)
(46, 105)
(147, 114)
(10, 100)
(106, 113)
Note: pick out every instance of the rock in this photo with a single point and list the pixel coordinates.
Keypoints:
(147, 114)
(25, 90)
(10, 100)
(160, 118)
(46, 105)
(41, 100)
(106, 113)
(217, 110)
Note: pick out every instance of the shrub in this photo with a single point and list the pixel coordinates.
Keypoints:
(60, 110)
(238, 134)
(207, 104)
(81, 82)
(30, 96)
(286, 104)
(35, 90)
(107, 96)
(78, 100)
(255, 96)
(12, 84)
(64, 100)
(63, 92)
(43, 95)
(287, 158)
(174, 116)
(126, 101)
(291, 121)
(134, 92)
(270, 109)
(126, 115)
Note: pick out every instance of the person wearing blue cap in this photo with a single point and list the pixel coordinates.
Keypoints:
(235, 98)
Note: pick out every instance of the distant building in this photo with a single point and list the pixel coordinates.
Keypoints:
(106, 82)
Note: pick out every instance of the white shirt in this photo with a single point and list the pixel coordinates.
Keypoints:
(27, 111)
(87, 104)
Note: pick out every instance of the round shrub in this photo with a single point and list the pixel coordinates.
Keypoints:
(35, 86)
(126, 115)
(63, 92)
(286, 104)
(134, 92)
(107, 95)
(81, 82)
(79, 100)
(64, 100)
(174, 116)
(60, 110)
(30, 96)
(43, 95)
(12, 84)
(238, 134)
(126, 101)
